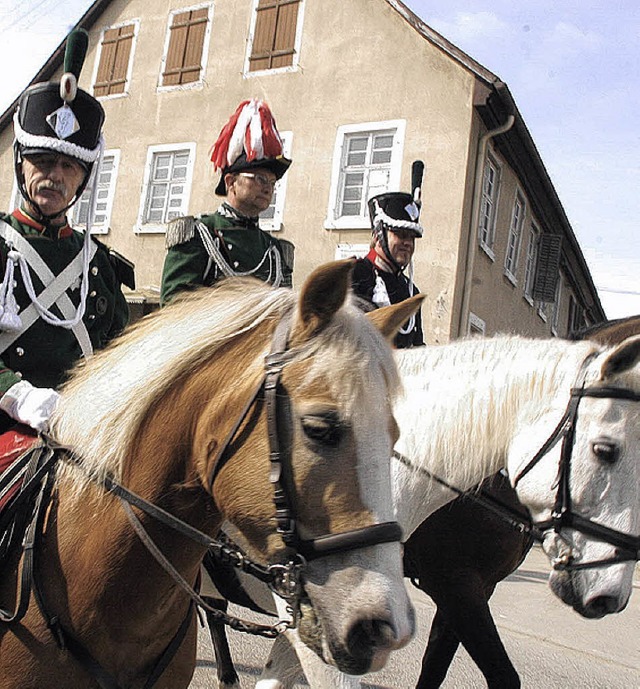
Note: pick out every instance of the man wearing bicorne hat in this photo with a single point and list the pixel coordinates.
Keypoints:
(61, 294)
(379, 277)
(202, 250)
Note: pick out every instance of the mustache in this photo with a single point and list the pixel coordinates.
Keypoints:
(48, 184)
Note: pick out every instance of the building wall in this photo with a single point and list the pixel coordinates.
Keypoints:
(359, 62)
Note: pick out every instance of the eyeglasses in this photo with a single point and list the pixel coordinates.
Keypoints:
(260, 179)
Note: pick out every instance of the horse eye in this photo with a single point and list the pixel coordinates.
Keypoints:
(325, 428)
(605, 449)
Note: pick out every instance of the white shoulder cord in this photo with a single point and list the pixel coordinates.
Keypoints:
(381, 297)
(17, 257)
(212, 248)
(412, 321)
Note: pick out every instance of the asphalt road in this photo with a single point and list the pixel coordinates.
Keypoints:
(551, 646)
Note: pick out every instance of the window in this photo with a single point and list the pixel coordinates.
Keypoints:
(271, 219)
(477, 327)
(275, 35)
(576, 320)
(186, 47)
(167, 185)
(16, 197)
(489, 204)
(532, 257)
(367, 162)
(555, 317)
(115, 58)
(515, 235)
(104, 195)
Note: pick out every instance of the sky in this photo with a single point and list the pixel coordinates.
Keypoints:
(572, 67)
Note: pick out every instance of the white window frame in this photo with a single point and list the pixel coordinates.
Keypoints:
(274, 224)
(198, 83)
(398, 127)
(475, 324)
(16, 197)
(514, 239)
(492, 200)
(100, 228)
(96, 64)
(149, 228)
(531, 261)
(293, 67)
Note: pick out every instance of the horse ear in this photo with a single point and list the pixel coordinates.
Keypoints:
(389, 319)
(323, 294)
(622, 358)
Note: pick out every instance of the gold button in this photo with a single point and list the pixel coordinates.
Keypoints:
(92, 293)
(19, 351)
(94, 270)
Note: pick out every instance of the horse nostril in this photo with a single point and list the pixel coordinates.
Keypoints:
(601, 606)
(370, 635)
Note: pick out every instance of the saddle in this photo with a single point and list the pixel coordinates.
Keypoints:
(13, 444)
(21, 482)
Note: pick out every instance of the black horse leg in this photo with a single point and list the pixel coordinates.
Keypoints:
(226, 672)
(466, 610)
(441, 648)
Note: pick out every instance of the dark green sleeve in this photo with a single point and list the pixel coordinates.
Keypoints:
(7, 378)
(184, 268)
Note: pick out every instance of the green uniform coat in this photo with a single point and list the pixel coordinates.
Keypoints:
(44, 353)
(243, 244)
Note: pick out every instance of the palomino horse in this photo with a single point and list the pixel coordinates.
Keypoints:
(493, 401)
(187, 420)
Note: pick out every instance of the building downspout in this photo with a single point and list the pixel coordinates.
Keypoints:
(472, 242)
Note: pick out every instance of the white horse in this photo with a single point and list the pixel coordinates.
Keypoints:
(476, 406)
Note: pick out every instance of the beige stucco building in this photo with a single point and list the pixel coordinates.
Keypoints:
(360, 89)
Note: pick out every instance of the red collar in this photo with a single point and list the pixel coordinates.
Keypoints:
(63, 230)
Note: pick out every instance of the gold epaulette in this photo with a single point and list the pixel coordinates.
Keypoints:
(180, 230)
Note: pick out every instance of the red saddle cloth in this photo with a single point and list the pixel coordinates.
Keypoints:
(14, 443)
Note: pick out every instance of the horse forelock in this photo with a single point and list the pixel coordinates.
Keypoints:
(346, 355)
(107, 398)
(462, 401)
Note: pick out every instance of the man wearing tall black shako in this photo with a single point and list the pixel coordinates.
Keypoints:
(379, 278)
(61, 295)
(204, 249)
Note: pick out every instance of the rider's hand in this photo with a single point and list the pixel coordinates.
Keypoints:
(29, 405)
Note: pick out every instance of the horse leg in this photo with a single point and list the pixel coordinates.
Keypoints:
(466, 610)
(282, 668)
(290, 657)
(226, 672)
(441, 647)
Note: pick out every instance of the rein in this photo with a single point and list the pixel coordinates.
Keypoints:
(562, 515)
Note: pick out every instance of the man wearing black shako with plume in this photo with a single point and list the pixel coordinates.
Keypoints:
(60, 296)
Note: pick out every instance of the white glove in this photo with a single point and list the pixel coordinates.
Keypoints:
(29, 405)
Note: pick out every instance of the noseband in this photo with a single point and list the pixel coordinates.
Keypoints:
(562, 516)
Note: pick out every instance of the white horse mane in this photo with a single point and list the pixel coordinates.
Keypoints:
(108, 396)
(462, 400)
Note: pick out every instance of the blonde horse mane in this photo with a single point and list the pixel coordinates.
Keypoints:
(465, 398)
(105, 402)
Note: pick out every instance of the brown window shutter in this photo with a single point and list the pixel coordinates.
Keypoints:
(114, 61)
(547, 268)
(186, 43)
(274, 35)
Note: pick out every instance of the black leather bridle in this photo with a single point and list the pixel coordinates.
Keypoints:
(36, 471)
(562, 516)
